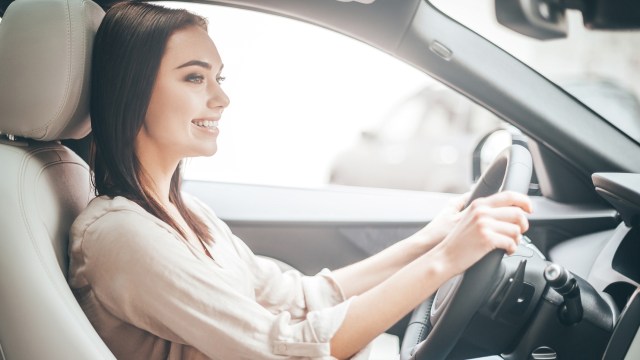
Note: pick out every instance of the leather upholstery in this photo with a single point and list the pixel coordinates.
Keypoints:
(45, 52)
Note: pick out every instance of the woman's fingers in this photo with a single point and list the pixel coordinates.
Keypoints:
(502, 231)
(503, 226)
(512, 215)
(506, 243)
(494, 222)
(505, 198)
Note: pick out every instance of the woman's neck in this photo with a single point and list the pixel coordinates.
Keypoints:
(157, 173)
(159, 185)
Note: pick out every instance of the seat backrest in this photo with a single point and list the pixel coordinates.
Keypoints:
(45, 57)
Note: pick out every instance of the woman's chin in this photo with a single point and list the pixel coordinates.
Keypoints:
(205, 151)
(211, 152)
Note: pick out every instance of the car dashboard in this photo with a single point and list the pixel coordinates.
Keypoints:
(591, 311)
(608, 260)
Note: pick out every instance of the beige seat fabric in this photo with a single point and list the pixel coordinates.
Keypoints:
(45, 52)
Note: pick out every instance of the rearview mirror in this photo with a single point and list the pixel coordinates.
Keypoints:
(540, 19)
(546, 19)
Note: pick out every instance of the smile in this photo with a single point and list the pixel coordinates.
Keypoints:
(207, 124)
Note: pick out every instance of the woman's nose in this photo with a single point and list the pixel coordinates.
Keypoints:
(217, 97)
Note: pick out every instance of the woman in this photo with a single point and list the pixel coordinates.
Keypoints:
(160, 276)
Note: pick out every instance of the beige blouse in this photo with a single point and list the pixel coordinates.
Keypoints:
(152, 295)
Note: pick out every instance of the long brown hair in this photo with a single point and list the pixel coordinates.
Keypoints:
(127, 51)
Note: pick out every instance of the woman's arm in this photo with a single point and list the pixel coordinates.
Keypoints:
(363, 275)
(490, 223)
(130, 271)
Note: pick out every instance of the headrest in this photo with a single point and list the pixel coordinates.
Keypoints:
(45, 58)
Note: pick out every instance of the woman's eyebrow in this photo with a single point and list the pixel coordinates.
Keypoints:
(200, 63)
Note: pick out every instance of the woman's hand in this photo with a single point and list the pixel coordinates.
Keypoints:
(436, 230)
(403, 279)
(494, 222)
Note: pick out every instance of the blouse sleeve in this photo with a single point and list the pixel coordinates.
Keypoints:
(289, 290)
(278, 291)
(143, 276)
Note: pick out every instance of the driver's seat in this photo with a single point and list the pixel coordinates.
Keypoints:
(45, 54)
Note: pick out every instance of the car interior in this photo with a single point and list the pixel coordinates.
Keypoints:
(571, 291)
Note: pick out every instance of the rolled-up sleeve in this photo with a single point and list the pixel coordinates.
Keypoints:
(143, 276)
(276, 290)
(289, 290)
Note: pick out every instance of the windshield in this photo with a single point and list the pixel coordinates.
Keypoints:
(599, 68)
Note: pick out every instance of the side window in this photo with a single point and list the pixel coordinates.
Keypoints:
(310, 108)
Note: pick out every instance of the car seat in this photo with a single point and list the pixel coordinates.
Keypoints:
(45, 57)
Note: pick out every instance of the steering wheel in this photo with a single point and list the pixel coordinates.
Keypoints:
(437, 324)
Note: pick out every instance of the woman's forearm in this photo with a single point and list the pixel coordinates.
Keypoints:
(378, 308)
(357, 278)
(362, 276)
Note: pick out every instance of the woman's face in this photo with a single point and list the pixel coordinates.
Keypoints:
(187, 100)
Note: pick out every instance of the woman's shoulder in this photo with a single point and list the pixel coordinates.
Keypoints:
(106, 210)
(101, 205)
(111, 227)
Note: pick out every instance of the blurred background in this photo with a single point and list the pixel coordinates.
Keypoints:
(311, 108)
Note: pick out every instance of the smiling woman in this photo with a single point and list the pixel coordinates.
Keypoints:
(160, 276)
(151, 68)
(185, 89)
(155, 289)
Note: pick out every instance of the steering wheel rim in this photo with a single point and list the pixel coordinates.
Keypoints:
(510, 170)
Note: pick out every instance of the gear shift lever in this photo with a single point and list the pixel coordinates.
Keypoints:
(566, 285)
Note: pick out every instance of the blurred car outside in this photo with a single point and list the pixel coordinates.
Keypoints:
(427, 142)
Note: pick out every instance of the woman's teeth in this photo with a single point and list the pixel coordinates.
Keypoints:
(209, 124)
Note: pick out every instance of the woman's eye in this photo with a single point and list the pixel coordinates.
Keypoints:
(195, 78)
(220, 79)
